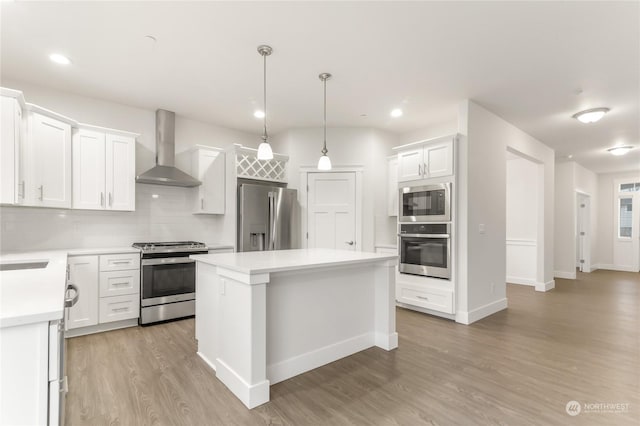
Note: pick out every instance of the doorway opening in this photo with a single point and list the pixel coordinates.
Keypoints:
(524, 220)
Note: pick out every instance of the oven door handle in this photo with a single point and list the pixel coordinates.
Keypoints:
(166, 261)
(425, 235)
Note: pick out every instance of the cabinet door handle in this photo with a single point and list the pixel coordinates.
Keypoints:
(21, 189)
(102, 199)
(201, 203)
(120, 262)
(419, 170)
(119, 309)
(110, 200)
(424, 168)
(423, 298)
(41, 189)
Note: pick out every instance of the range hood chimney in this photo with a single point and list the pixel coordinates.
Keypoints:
(165, 172)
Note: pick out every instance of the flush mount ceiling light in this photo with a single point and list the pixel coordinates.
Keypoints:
(324, 163)
(590, 115)
(396, 113)
(258, 114)
(59, 59)
(264, 150)
(620, 150)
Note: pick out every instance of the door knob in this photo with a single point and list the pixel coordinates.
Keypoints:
(349, 242)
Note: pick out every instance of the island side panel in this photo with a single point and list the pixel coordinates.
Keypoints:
(385, 305)
(241, 345)
(207, 288)
(317, 316)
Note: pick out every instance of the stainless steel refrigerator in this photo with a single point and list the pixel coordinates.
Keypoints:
(266, 217)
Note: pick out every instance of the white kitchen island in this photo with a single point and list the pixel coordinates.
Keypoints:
(263, 317)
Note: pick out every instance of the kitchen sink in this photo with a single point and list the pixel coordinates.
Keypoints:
(25, 264)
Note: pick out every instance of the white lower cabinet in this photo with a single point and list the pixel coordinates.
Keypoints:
(424, 296)
(109, 287)
(83, 273)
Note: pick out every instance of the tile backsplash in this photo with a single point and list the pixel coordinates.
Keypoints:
(163, 213)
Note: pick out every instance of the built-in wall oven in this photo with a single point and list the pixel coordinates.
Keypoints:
(425, 203)
(425, 249)
(168, 280)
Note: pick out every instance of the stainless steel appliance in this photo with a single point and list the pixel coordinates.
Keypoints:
(266, 217)
(425, 249)
(168, 280)
(426, 203)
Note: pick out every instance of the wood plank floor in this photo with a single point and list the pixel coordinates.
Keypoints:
(518, 367)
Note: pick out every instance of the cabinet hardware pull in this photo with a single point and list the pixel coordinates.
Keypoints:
(120, 262)
(68, 273)
(21, 189)
(424, 168)
(422, 297)
(419, 170)
(120, 309)
(102, 199)
(350, 242)
(202, 203)
(110, 200)
(41, 188)
(124, 283)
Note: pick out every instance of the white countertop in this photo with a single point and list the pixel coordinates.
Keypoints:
(33, 295)
(389, 246)
(96, 251)
(258, 262)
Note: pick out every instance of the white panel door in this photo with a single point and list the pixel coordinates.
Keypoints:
(121, 172)
(50, 150)
(584, 237)
(626, 244)
(89, 170)
(83, 273)
(438, 159)
(331, 207)
(410, 165)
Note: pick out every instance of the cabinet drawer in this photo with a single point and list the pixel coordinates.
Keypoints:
(116, 308)
(119, 262)
(118, 283)
(425, 297)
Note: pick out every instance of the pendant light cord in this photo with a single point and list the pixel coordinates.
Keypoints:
(264, 135)
(324, 148)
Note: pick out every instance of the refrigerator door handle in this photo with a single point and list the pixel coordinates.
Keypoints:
(272, 220)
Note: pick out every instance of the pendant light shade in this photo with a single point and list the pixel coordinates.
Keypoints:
(324, 163)
(264, 150)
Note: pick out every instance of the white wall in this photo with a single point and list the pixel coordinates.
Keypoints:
(606, 216)
(448, 127)
(164, 218)
(364, 147)
(482, 201)
(522, 220)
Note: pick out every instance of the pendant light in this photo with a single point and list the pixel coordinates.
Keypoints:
(324, 163)
(264, 150)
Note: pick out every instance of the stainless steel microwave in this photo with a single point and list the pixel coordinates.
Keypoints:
(426, 203)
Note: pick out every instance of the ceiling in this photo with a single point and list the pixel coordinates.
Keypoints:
(533, 63)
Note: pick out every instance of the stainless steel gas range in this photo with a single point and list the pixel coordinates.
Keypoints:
(168, 280)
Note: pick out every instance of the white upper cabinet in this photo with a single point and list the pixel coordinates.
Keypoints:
(48, 162)
(121, 172)
(89, 183)
(103, 170)
(208, 166)
(426, 159)
(11, 144)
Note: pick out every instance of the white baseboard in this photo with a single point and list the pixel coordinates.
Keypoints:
(610, 267)
(565, 275)
(288, 368)
(464, 317)
(250, 395)
(116, 325)
(521, 281)
(546, 286)
(207, 360)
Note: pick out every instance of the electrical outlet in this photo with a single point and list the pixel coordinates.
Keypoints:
(481, 228)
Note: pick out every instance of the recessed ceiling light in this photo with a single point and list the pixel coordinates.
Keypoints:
(570, 156)
(590, 115)
(59, 59)
(396, 113)
(620, 150)
(258, 114)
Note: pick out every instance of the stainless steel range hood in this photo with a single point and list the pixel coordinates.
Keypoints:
(165, 172)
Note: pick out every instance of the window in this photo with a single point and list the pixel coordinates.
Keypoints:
(630, 187)
(625, 210)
